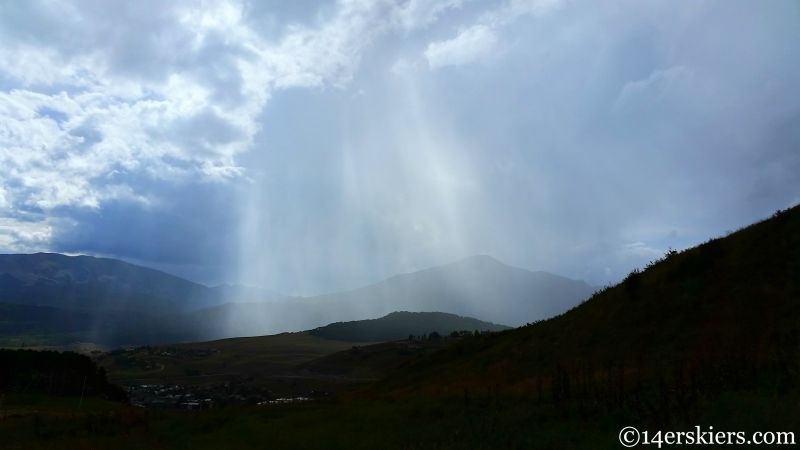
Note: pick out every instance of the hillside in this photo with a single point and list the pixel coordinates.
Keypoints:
(399, 325)
(718, 317)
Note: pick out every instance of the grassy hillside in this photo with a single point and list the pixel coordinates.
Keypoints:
(401, 324)
(724, 315)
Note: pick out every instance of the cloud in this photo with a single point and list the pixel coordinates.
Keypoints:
(21, 236)
(514, 9)
(318, 145)
(162, 91)
(415, 14)
(473, 44)
(641, 250)
(480, 41)
(659, 86)
(592, 129)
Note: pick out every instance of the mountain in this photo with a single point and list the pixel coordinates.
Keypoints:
(401, 324)
(53, 299)
(120, 303)
(478, 286)
(718, 318)
(16, 320)
(89, 283)
(34, 326)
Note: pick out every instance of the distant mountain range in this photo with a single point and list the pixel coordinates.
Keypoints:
(48, 298)
(478, 286)
(91, 284)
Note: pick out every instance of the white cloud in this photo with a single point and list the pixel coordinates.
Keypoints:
(17, 236)
(481, 40)
(416, 14)
(473, 44)
(641, 250)
(99, 96)
(536, 8)
(4, 201)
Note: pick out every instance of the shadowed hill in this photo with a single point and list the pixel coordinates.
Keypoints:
(399, 325)
(723, 315)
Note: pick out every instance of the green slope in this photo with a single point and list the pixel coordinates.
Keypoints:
(723, 315)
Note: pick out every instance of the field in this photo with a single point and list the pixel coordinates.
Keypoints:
(485, 421)
(248, 356)
(253, 370)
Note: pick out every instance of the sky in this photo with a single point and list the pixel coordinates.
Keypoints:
(314, 146)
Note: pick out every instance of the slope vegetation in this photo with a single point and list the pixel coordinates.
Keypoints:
(720, 316)
(401, 324)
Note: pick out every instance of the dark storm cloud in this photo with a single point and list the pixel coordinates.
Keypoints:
(193, 226)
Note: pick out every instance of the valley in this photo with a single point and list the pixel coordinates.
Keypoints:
(692, 338)
(399, 224)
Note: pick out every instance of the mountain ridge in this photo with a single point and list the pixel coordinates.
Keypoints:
(86, 282)
(478, 286)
